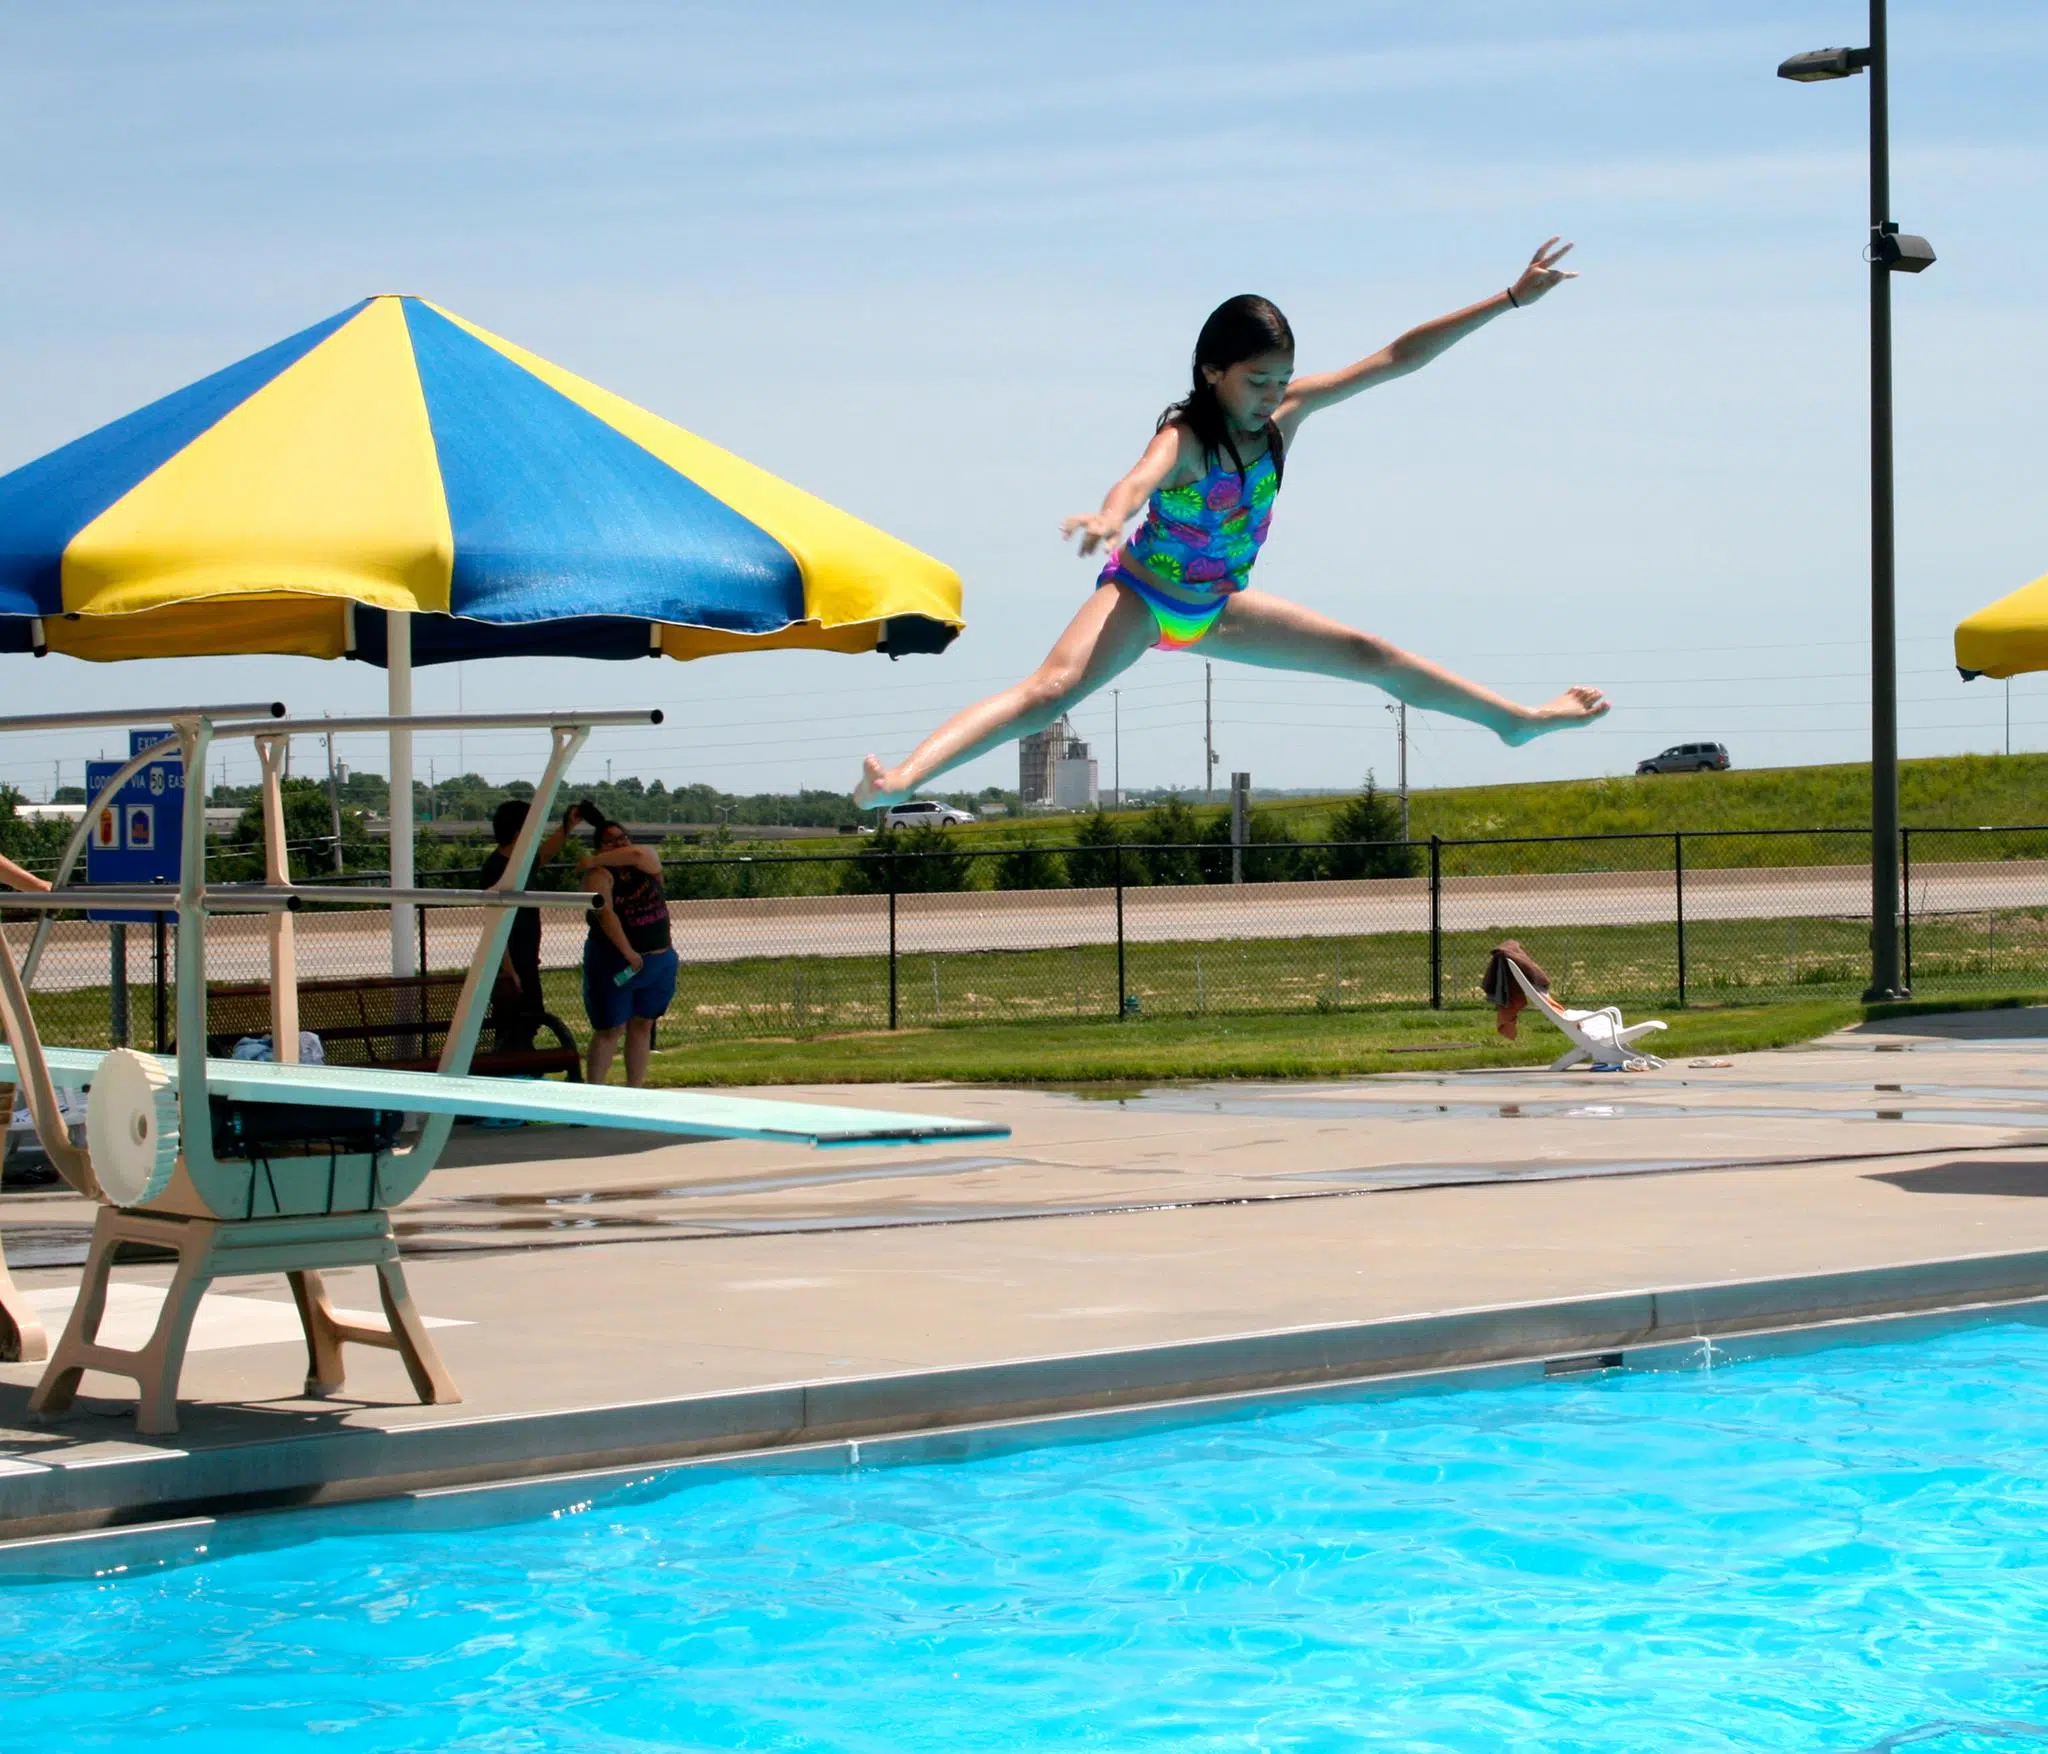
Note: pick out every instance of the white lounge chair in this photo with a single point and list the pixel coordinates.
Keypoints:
(1599, 1036)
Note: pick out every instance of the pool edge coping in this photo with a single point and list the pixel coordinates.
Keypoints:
(153, 1504)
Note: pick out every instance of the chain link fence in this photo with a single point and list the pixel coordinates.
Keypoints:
(897, 934)
(1976, 907)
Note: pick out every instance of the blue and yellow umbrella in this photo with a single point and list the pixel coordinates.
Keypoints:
(397, 459)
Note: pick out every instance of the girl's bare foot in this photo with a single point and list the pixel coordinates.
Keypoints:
(874, 789)
(1578, 705)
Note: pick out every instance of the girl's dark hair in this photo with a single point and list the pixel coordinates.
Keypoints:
(1238, 329)
(595, 819)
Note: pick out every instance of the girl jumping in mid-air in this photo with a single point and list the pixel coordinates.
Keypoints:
(1206, 484)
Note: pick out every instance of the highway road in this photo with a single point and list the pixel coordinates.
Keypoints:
(335, 945)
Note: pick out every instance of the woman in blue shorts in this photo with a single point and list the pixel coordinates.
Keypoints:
(629, 963)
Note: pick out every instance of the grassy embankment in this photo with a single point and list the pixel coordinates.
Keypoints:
(1953, 791)
(1949, 791)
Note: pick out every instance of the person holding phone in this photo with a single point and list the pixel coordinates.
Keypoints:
(629, 961)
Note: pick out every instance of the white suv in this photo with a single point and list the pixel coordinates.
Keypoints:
(923, 813)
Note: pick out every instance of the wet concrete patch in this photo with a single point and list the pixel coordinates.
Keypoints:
(896, 1170)
(1314, 1106)
(1436, 1175)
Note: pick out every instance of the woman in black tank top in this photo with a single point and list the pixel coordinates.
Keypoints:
(629, 964)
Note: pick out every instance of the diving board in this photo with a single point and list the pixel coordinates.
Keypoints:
(689, 1113)
(238, 1167)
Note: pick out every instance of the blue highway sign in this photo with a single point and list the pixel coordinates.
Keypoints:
(137, 837)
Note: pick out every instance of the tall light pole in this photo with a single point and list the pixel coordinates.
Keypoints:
(1888, 251)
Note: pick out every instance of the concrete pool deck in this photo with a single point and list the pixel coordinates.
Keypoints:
(610, 1299)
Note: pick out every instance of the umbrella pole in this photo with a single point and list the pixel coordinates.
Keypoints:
(398, 675)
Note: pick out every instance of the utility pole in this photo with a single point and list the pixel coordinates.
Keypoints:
(334, 802)
(1400, 711)
(1116, 740)
(1240, 822)
(1208, 732)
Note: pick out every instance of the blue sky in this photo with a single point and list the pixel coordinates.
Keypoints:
(943, 266)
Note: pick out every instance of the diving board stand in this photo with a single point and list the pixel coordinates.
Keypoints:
(239, 1167)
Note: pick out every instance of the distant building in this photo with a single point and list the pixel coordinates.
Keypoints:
(1073, 781)
(1054, 770)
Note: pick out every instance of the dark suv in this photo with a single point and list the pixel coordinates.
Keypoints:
(1688, 758)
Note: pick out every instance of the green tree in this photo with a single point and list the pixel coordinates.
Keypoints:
(1029, 865)
(1271, 853)
(1365, 838)
(924, 861)
(34, 845)
(1092, 863)
(1170, 832)
(308, 833)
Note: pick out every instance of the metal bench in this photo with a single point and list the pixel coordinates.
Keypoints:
(397, 1021)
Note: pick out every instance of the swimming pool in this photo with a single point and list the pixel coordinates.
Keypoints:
(1845, 1550)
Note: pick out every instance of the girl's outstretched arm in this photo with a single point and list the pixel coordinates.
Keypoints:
(1124, 501)
(1421, 344)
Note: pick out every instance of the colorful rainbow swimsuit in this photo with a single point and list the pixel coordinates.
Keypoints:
(1197, 545)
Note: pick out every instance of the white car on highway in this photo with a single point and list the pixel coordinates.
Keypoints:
(923, 813)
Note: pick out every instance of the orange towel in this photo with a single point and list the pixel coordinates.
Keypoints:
(1501, 990)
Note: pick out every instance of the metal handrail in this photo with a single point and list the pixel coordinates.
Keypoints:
(147, 898)
(366, 896)
(436, 722)
(136, 716)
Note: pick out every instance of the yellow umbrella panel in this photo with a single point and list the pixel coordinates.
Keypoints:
(2006, 638)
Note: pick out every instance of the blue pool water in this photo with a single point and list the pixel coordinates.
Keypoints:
(1844, 1551)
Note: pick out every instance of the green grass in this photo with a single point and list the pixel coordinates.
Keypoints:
(1729, 962)
(1302, 1041)
(1106, 1051)
(1950, 791)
